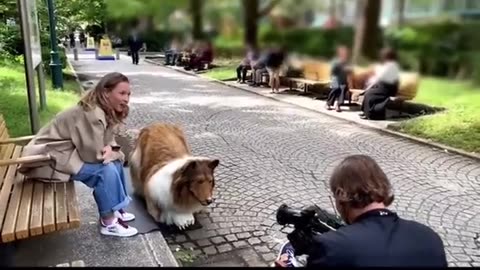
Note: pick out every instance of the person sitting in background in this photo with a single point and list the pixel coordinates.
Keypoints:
(172, 54)
(259, 67)
(245, 65)
(184, 55)
(203, 55)
(382, 85)
(339, 82)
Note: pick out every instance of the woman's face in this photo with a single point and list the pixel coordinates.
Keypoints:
(119, 96)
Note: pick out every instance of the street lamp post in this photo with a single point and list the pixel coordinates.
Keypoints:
(55, 65)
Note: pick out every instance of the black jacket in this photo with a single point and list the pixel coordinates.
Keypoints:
(379, 238)
(135, 45)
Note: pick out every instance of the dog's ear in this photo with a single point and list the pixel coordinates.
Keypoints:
(190, 167)
(213, 163)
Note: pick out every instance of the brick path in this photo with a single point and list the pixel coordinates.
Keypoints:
(273, 153)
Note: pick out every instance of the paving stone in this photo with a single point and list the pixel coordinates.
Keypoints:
(269, 257)
(240, 243)
(258, 233)
(180, 238)
(211, 250)
(254, 241)
(231, 238)
(224, 248)
(203, 242)
(188, 245)
(243, 235)
(217, 240)
(262, 249)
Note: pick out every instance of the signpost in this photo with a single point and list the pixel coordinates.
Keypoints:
(32, 59)
(105, 50)
(90, 44)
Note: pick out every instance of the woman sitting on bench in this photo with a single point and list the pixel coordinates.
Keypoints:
(381, 86)
(81, 141)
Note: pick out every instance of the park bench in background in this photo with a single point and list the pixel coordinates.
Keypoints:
(314, 73)
(31, 208)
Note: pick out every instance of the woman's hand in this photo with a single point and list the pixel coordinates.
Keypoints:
(108, 155)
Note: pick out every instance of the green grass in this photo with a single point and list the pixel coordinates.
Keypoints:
(14, 102)
(459, 125)
(224, 70)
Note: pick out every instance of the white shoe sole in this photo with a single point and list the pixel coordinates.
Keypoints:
(128, 219)
(104, 231)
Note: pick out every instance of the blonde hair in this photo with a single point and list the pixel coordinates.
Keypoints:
(98, 97)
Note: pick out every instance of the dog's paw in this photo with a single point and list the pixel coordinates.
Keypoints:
(183, 221)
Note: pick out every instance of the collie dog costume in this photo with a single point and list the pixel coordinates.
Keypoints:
(174, 183)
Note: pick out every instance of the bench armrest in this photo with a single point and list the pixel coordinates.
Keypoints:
(19, 140)
(25, 160)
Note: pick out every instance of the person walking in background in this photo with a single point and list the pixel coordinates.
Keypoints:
(135, 44)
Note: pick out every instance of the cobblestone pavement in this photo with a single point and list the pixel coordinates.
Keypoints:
(273, 153)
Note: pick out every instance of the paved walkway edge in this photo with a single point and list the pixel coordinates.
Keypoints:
(388, 131)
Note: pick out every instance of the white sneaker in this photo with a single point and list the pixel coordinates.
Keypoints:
(118, 228)
(125, 216)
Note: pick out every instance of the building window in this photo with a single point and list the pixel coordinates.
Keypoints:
(419, 6)
(457, 5)
(473, 4)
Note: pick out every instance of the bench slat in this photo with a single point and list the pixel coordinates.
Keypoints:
(23, 220)
(7, 187)
(3, 130)
(61, 207)
(8, 231)
(48, 208)
(37, 210)
(6, 155)
(73, 212)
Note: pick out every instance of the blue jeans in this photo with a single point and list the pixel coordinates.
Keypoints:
(108, 183)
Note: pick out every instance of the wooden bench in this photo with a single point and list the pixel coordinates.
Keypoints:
(314, 73)
(31, 208)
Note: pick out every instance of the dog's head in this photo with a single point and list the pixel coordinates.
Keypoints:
(197, 176)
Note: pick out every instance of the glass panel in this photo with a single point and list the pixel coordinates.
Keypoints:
(473, 4)
(417, 6)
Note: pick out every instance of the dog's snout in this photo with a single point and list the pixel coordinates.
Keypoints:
(210, 200)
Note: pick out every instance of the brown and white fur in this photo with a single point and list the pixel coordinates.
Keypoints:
(174, 183)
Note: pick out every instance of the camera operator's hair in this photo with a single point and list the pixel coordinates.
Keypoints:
(359, 181)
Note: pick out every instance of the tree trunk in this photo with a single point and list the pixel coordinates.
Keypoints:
(400, 8)
(196, 12)
(251, 14)
(367, 32)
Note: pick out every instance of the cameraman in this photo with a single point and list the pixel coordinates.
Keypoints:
(374, 236)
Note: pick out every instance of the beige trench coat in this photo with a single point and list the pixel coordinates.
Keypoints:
(74, 137)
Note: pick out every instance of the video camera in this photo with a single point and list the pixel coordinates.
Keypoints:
(307, 222)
